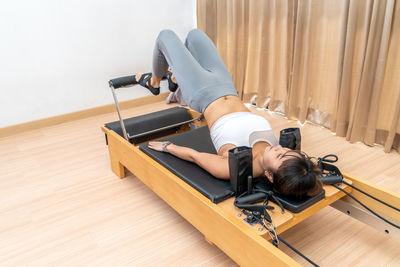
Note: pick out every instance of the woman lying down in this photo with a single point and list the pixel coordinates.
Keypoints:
(207, 87)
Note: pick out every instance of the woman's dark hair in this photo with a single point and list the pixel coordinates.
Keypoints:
(297, 177)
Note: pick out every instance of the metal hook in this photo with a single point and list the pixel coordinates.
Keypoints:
(271, 232)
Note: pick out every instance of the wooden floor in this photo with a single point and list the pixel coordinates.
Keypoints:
(60, 204)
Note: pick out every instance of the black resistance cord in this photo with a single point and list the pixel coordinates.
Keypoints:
(365, 193)
(373, 212)
(335, 158)
(359, 202)
(331, 158)
(298, 252)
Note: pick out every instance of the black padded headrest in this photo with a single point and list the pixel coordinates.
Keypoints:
(298, 205)
(151, 121)
(216, 190)
(291, 204)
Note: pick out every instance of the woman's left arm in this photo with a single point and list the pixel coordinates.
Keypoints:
(216, 165)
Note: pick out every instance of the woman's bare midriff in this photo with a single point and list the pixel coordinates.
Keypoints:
(222, 106)
(226, 105)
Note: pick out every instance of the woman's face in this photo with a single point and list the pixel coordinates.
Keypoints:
(275, 155)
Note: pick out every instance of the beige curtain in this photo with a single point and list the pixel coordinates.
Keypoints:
(332, 62)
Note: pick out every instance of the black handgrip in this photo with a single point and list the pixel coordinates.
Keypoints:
(253, 198)
(327, 180)
(122, 81)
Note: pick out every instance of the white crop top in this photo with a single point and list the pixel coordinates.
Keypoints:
(241, 129)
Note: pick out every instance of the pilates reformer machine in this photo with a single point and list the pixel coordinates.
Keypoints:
(248, 235)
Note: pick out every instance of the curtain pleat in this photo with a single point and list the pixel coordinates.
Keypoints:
(362, 124)
(332, 62)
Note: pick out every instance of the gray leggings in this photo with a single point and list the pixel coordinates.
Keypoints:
(197, 66)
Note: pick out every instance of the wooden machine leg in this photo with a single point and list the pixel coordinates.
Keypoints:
(118, 168)
(114, 150)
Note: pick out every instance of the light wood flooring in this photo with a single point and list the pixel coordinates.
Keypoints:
(61, 205)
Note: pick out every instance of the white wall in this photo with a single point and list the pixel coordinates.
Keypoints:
(56, 57)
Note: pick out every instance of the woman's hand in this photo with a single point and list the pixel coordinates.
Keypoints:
(156, 145)
(214, 164)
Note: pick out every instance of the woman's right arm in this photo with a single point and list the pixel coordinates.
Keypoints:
(216, 165)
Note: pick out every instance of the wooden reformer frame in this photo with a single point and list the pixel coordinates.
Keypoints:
(222, 224)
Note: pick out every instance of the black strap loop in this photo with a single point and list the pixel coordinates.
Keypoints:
(244, 201)
(328, 157)
(261, 209)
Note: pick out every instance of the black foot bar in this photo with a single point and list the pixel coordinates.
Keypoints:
(128, 81)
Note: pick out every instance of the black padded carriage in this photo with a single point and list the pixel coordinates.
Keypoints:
(215, 189)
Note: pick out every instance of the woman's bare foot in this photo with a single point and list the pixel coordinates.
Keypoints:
(148, 81)
(172, 84)
(154, 81)
(172, 76)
